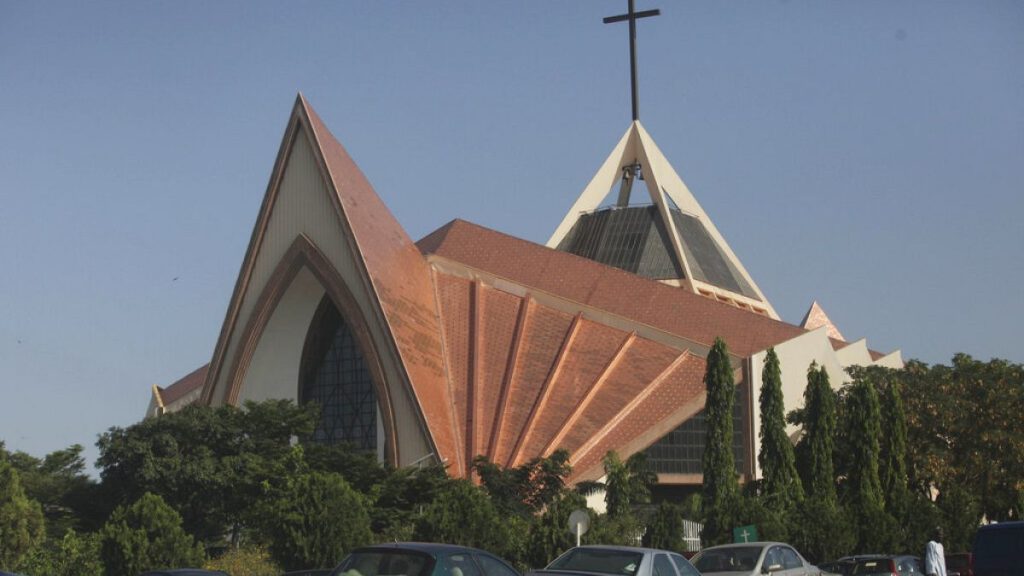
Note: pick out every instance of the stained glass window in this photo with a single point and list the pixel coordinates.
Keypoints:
(334, 374)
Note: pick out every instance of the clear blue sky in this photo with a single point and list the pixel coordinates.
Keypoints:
(865, 153)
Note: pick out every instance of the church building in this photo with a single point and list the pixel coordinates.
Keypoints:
(472, 342)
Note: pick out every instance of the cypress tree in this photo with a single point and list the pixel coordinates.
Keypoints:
(893, 466)
(865, 426)
(819, 434)
(863, 488)
(720, 484)
(778, 464)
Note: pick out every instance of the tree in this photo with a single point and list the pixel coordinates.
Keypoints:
(549, 535)
(21, 519)
(964, 431)
(892, 468)
(208, 463)
(316, 521)
(526, 489)
(625, 483)
(781, 483)
(815, 451)
(59, 483)
(463, 514)
(665, 530)
(720, 483)
(821, 530)
(246, 560)
(401, 497)
(72, 555)
(862, 489)
(144, 536)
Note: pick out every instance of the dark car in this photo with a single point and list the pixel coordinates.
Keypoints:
(422, 559)
(184, 572)
(999, 550)
(618, 561)
(876, 565)
(961, 564)
(840, 567)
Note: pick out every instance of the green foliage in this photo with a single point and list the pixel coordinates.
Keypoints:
(525, 489)
(622, 530)
(964, 429)
(463, 514)
(21, 519)
(862, 488)
(626, 483)
(665, 529)
(144, 536)
(245, 561)
(821, 530)
(73, 555)
(402, 497)
(209, 464)
(58, 482)
(720, 482)
(960, 510)
(316, 520)
(814, 453)
(781, 483)
(549, 535)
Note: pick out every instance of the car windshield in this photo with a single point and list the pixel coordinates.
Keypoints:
(876, 567)
(383, 563)
(736, 559)
(600, 560)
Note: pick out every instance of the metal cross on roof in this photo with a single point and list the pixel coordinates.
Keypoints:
(632, 15)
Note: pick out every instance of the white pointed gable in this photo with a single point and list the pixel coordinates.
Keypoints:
(665, 188)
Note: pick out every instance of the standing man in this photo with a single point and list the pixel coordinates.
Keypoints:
(934, 555)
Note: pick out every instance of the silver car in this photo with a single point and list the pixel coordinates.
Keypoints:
(753, 559)
(618, 561)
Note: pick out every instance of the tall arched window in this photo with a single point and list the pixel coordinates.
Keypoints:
(335, 376)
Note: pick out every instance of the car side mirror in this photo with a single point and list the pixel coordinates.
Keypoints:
(771, 568)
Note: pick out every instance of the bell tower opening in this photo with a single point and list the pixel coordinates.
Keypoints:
(334, 374)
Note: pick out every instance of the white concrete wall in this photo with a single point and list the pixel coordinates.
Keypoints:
(274, 369)
(304, 206)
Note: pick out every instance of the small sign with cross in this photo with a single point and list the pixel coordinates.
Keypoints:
(744, 534)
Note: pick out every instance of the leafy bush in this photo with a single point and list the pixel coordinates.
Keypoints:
(145, 536)
(74, 555)
(245, 561)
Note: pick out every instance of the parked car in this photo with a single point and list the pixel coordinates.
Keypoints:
(619, 561)
(999, 550)
(753, 559)
(881, 565)
(313, 572)
(422, 559)
(184, 572)
(960, 564)
(838, 567)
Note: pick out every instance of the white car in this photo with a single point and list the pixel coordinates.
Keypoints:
(617, 561)
(753, 559)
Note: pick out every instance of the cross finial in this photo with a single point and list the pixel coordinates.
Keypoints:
(632, 15)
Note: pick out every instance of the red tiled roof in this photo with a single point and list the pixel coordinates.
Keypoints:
(181, 388)
(400, 278)
(602, 287)
(527, 379)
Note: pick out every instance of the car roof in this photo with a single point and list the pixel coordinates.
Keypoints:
(426, 547)
(759, 543)
(624, 548)
(1003, 525)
